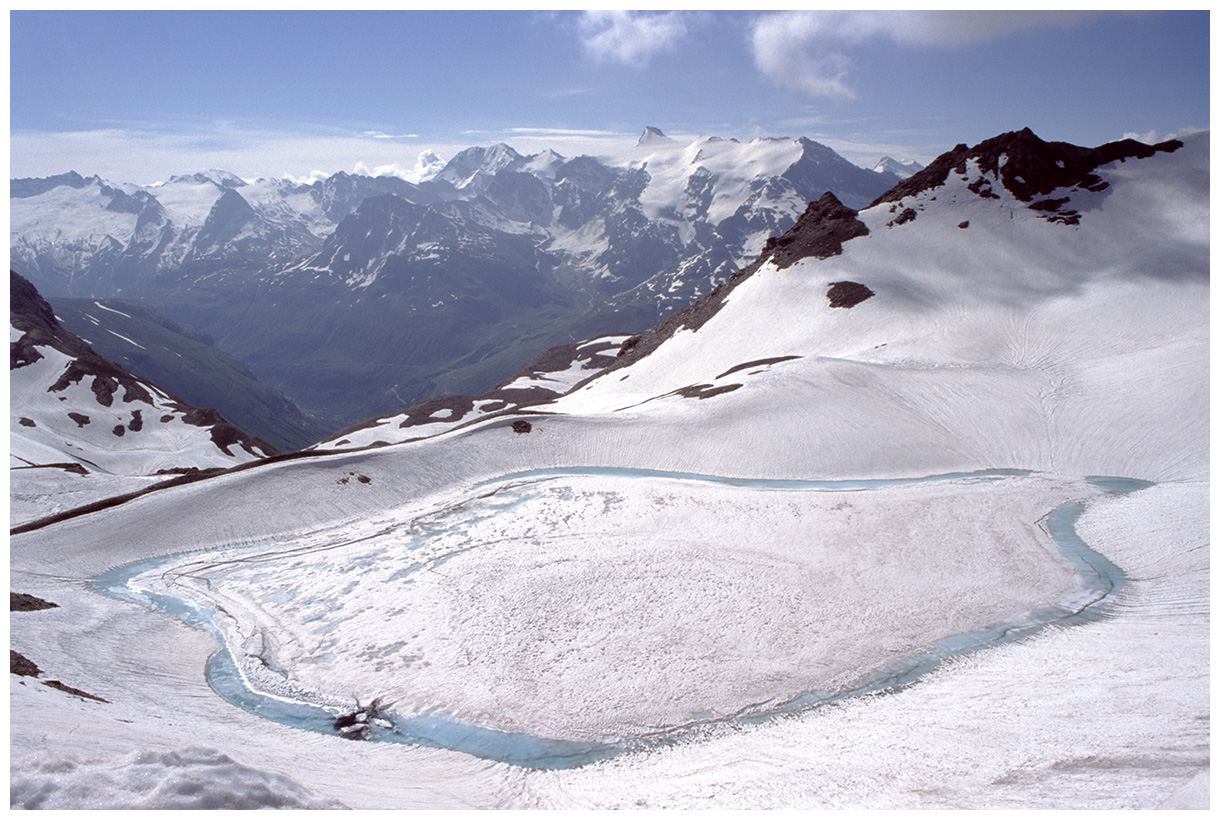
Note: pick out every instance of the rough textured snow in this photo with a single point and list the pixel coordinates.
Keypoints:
(595, 607)
(190, 779)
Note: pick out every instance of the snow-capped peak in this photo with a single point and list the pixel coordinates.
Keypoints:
(221, 179)
(899, 168)
(652, 136)
(544, 164)
(463, 168)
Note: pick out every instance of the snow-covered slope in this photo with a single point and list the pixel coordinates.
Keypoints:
(186, 363)
(542, 380)
(998, 330)
(82, 427)
(942, 456)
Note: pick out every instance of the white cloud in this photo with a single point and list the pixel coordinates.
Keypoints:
(316, 175)
(569, 142)
(427, 165)
(144, 154)
(393, 169)
(631, 38)
(564, 132)
(1153, 137)
(381, 135)
(807, 50)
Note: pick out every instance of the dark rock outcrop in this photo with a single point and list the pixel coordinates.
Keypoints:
(19, 664)
(1026, 165)
(23, 602)
(847, 294)
(820, 232)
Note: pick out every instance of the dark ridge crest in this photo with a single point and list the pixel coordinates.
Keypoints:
(1033, 166)
(819, 232)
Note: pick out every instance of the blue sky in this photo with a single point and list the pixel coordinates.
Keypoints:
(136, 96)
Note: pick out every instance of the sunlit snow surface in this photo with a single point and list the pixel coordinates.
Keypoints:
(603, 607)
(539, 605)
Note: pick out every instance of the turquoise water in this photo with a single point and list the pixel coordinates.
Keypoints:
(751, 483)
(1117, 484)
(1102, 578)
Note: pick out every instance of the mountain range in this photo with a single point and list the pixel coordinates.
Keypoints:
(358, 295)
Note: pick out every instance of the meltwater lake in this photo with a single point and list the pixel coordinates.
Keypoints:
(1100, 578)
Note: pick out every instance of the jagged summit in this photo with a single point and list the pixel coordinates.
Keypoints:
(472, 162)
(544, 164)
(1025, 165)
(33, 186)
(653, 136)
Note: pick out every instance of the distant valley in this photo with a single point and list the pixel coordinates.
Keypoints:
(355, 296)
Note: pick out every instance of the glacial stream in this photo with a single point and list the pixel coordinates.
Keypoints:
(1102, 579)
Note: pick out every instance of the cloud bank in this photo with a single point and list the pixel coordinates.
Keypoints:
(146, 153)
(631, 38)
(807, 50)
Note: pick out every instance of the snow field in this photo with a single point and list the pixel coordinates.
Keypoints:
(46, 216)
(595, 608)
(1109, 715)
(154, 446)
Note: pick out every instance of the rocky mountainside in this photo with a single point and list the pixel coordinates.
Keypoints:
(81, 417)
(1009, 177)
(187, 364)
(354, 295)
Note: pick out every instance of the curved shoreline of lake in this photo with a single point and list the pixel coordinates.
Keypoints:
(1102, 579)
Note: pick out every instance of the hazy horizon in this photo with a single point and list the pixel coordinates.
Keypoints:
(138, 96)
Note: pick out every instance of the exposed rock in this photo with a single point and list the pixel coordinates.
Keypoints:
(225, 435)
(24, 422)
(522, 426)
(80, 418)
(71, 690)
(704, 391)
(820, 232)
(847, 294)
(756, 363)
(907, 215)
(19, 664)
(22, 602)
(1026, 166)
